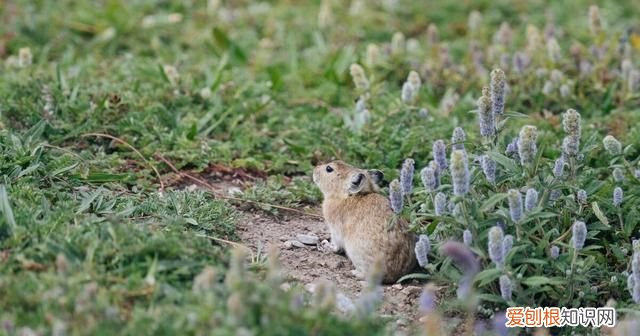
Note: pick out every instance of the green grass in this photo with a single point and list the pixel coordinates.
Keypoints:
(87, 240)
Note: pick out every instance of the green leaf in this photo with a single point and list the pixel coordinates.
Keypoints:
(599, 214)
(487, 276)
(537, 281)
(217, 77)
(222, 41)
(533, 261)
(102, 177)
(5, 207)
(504, 161)
(490, 298)
(64, 169)
(414, 276)
(492, 201)
(29, 170)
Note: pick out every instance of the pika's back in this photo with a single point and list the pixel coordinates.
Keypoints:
(370, 209)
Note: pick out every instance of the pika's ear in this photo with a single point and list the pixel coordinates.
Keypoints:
(356, 183)
(376, 176)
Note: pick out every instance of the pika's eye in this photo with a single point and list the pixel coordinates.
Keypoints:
(329, 169)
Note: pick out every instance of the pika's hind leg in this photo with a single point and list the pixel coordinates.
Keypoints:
(337, 243)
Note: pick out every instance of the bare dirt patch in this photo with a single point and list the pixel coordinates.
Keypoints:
(310, 264)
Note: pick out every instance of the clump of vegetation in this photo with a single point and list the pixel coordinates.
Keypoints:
(555, 259)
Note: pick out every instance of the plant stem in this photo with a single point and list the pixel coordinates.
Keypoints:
(621, 220)
(572, 168)
(574, 259)
(465, 214)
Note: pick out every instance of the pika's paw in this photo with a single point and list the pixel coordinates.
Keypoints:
(335, 248)
(357, 274)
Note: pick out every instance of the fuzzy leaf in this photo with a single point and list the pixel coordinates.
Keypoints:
(599, 214)
(537, 281)
(487, 276)
(504, 161)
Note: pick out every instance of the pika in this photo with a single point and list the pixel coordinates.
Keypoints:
(359, 220)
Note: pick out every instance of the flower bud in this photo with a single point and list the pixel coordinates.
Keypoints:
(422, 250)
(507, 245)
(527, 148)
(530, 199)
(617, 197)
(571, 145)
(581, 196)
(398, 44)
(579, 230)
(497, 84)
(488, 168)
(486, 117)
(506, 287)
(459, 172)
(440, 204)
(553, 50)
(406, 176)
(515, 204)
(595, 21)
(458, 138)
(571, 122)
(373, 55)
(635, 266)
(415, 81)
(395, 196)
(618, 174)
(439, 154)
(467, 237)
(558, 168)
(612, 145)
(429, 179)
(428, 299)
(495, 246)
(24, 57)
(432, 34)
(359, 78)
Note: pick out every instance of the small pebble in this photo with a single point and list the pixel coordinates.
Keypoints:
(310, 287)
(296, 243)
(234, 191)
(325, 245)
(308, 239)
(287, 245)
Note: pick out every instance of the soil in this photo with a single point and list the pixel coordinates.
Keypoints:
(310, 264)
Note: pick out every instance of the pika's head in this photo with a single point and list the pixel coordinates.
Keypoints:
(339, 179)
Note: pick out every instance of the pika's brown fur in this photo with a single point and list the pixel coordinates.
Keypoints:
(361, 221)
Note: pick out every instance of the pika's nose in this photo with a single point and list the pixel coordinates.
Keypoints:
(377, 175)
